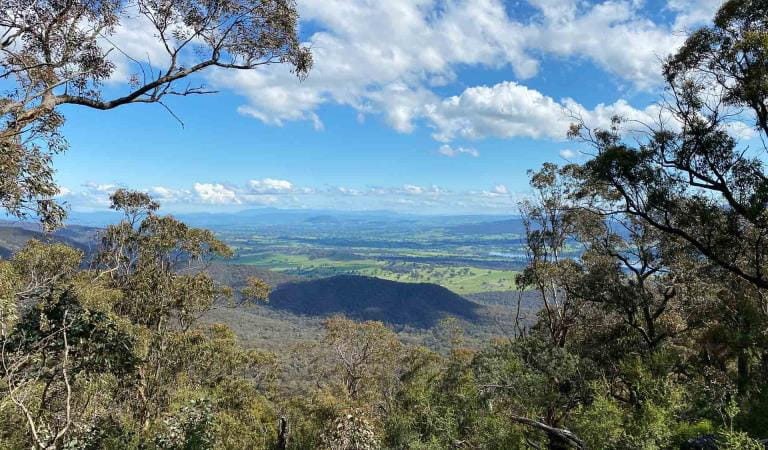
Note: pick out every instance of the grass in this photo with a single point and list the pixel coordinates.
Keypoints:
(460, 279)
(287, 262)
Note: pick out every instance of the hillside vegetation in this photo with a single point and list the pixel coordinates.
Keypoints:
(366, 298)
(639, 320)
(14, 238)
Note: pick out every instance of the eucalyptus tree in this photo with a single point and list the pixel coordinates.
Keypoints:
(689, 176)
(61, 52)
(703, 191)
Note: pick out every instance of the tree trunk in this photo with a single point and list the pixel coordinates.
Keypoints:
(743, 377)
(558, 443)
(282, 434)
(559, 438)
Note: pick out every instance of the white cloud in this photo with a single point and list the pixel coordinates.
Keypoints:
(101, 187)
(613, 35)
(508, 110)
(168, 195)
(260, 191)
(416, 198)
(411, 189)
(504, 110)
(270, 186)
(96, 195)
(343, 190)
(64, 191)
(382, 57)
(134, 44)
(447, 150)
(216, 194)
(692, 13)
(567, 153)
(742, 130)
(430, 191)
(385, 57)
(266, 191)
(500, 189)
(90, 194)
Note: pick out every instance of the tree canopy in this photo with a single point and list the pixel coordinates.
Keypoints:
(650, 260)
(56, 53)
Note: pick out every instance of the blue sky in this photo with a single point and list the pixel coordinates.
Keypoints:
(429, 106)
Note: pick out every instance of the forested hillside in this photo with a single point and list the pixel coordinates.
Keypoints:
(365, 298)
(13, 239)
(638, 318)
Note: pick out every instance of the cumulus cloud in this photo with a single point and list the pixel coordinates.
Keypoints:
(254, 192)
(382, 57)
(567, 153)
(168, 195)
(216, 194)
(386, 57)
(421, 198)
(604, 33)
(411, 189)
(742, 130)
(500, 189)
(269, 186)
(408, 190)
(90, 195)
(101, 187)
(344, 190)
(691, 14)
(447, 150)
(508, 110)
(134, 47)
(260, 192)
(418, 198)
(504, 110)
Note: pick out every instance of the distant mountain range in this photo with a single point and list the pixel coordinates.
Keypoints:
(275, 217)
(508, 226)
(419, 305)
(13, 236)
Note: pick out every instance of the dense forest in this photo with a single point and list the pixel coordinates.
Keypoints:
(655, 336)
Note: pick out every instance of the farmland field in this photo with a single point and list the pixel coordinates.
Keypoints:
(463, 279)
(464, 260)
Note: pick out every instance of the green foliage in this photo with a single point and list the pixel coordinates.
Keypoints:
(350, 431)
(739, 440)
(653, 337)
(189, 427)
(112, 357)
(68, 40)
(256, 290)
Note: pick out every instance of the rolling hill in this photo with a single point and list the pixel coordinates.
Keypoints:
(419, 305)
(235, 275)
(13, 238)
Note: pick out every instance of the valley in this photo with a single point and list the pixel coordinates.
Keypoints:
(464, 254)
(404, 270)
(337, 262)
